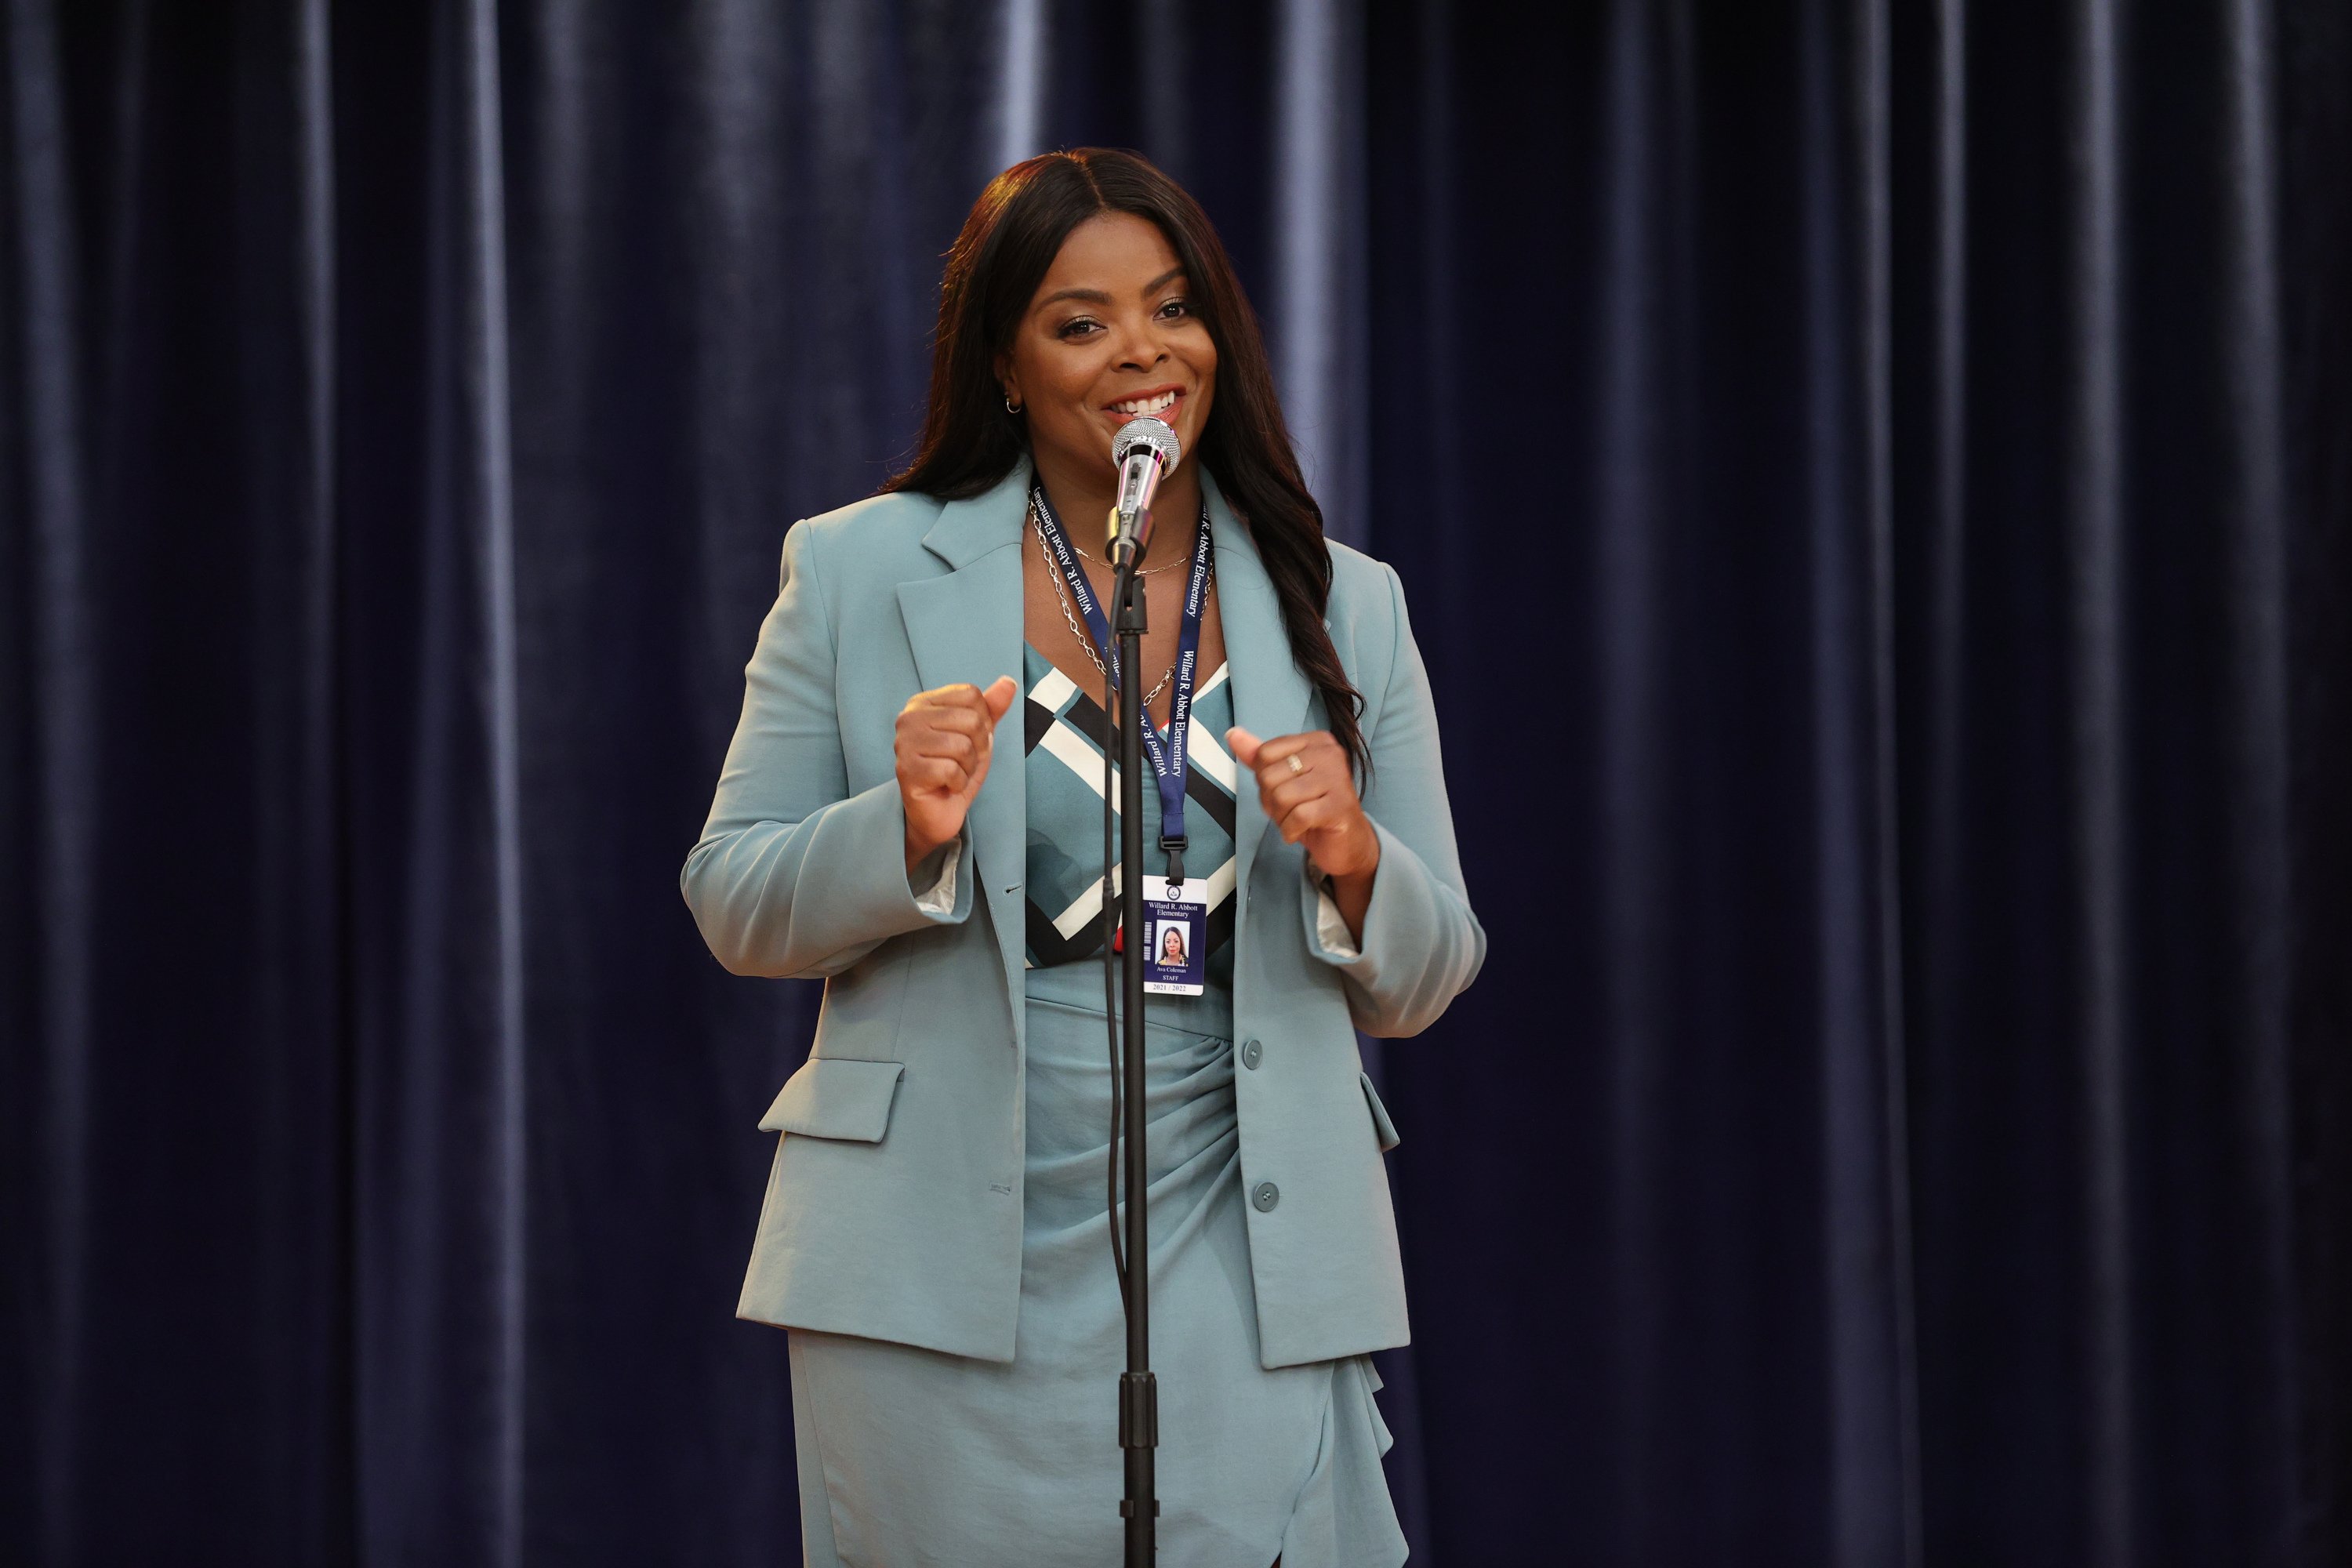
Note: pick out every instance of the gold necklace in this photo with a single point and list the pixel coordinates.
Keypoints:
(1140, 571)
(1070, 615)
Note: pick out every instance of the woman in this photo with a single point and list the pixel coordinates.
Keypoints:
(936, 1232)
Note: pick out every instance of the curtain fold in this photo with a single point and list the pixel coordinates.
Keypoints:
(437, 902)
(52, 781)
(1873, 489)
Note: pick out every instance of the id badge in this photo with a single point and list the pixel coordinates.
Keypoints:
(1176, 931)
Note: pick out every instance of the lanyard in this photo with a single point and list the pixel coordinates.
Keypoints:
(1165, 748)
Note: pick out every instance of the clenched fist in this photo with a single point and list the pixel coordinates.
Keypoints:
(1309, 790)
(944, 739)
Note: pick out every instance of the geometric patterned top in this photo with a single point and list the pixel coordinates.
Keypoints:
(1063, 736)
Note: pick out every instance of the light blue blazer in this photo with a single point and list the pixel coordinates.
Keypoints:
(894, 1206)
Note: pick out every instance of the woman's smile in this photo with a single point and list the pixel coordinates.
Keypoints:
(1112, 334)
(1161, 402)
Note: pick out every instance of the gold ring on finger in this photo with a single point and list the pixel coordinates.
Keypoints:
(1297, 767)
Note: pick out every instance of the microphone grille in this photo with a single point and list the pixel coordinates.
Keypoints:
(1146, 431)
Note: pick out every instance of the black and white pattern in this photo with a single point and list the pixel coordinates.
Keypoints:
(1064, 731)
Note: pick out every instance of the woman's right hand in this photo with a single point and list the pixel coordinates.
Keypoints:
(944, 739)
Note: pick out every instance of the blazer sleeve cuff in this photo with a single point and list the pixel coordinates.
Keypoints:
(935, 894)
(1395, 927)
(1328, 937)
(948, 899)
(816, 896)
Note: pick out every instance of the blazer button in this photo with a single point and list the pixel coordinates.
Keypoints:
(1251, 1051)
(1267, 1195)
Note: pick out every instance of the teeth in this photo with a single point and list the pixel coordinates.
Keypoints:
(1144, 404)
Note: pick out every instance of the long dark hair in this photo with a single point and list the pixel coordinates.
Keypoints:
(969, 442)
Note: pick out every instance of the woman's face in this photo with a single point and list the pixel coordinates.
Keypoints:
(1109, 334)
(1171, 946)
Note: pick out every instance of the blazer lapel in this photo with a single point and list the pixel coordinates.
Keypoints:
(1270, 695)
(965, 625)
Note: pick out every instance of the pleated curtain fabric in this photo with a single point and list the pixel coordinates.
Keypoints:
(1873, 486)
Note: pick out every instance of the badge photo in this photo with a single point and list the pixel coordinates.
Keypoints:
(1176, 925)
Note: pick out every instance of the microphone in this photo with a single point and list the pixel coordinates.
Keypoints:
(1144, 450)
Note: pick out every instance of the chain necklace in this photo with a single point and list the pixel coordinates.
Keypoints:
(1070, 615)
(1140, 571)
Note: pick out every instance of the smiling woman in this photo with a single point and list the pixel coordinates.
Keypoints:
(1114, 336)
(937, 1233)
(1129, 224)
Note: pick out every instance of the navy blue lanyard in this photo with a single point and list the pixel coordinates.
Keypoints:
(1166, 749)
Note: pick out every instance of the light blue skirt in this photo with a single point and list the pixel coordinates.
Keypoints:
(911, 1456)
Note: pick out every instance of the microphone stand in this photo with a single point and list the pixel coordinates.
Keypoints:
(1138, 1390)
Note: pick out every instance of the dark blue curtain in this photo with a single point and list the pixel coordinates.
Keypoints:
(1874, 486)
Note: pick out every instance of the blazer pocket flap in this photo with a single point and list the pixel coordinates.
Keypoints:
(836, 1097)
(1381, 1122)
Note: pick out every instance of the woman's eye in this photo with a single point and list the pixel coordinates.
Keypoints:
(1079, 327)
(1176, 307)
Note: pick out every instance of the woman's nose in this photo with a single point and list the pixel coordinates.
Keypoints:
(1142, 350)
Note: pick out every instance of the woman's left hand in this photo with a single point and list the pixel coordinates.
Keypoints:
(1309, 790)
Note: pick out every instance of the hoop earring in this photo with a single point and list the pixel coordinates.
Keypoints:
(1011, 407)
